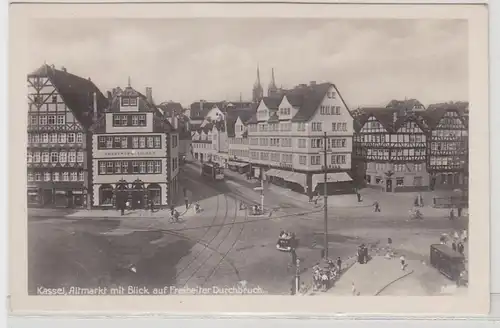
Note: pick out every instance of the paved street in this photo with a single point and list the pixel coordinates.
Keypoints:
(222, 245)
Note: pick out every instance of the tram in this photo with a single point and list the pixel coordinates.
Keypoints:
(212, 171)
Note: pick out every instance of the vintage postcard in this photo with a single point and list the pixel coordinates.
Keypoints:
(249, 158)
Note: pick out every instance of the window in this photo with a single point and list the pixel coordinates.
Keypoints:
(43, 120)
(45, 157)
(116, 120)
(151, 167)
(30, 176)
(142, 120)
(54, 99)
(174, 141)
(38, 176)
(316, 126)
(302, 143)
(54, 157)
(338, 159)
(71, 138)
(65, 176)
(400, 182)
(142, 167)
(417, 181)
(150, 142)
(157, 166)
(81, 176)
(51, 119)
(79, 157)
(124, 142)
(303, 160)
(101, 141)
(135, 167)
(53, 138)
(36, 138)
(142, 142)
(109, 142)
(315, 160)
(72, 156)
(33, 120)
(125, 101)
(60, 119)
(29, 157)
(301, 127)
(79, 137)
(73, 176)
(55, 176)
(133, 101)
(36, 157)
(135, 120)
(46, 176)
(157, 142)
(418, 167)
(109, 167)
(117, 142)
(135, 142)
(61, 138)
(63, 157)
(45, 137)
(124, 167)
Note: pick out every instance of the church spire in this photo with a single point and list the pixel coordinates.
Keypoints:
(257, 92)
(272, 90)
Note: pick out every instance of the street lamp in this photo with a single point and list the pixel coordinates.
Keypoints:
(325, 195)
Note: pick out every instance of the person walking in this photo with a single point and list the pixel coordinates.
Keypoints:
(359, 196)
(152, 205)
(377, 206)
(460, 248)
(339, 264)
(459, 212)
(186, 202)
(403, 262)
(353, 289)
(454, 246)
(452, 214)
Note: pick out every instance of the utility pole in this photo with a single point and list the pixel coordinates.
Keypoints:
(325, 192)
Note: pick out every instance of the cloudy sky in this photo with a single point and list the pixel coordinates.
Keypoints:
(370, 61)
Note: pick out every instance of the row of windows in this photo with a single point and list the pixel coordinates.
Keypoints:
(331, 143)
(55, 157)
(129, 120)
(238, 141)
(447, 146)
(56, 176)
(339, 126)
(284, 111)
(448, 133)
(39, 99)
(105, 142)
(238, 153)
(55, 138)
(47, 119)
(318, 159)
(129, 167)
(447, 161)
(329, 110)
(203, 145)
(129, 101)
(400, 182)
(412, 138)
(396, 167)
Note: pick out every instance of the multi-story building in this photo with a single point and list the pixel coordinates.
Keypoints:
(135, 153)
(210, 143)
(174, 113)
(390, 149)
(62, 107)
(448, 145)
(237, 132)
(286, 139)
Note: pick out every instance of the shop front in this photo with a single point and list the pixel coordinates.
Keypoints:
(57, 195)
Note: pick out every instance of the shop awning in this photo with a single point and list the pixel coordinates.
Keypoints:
(272, 173)
(279, 173)
(299, 178)
(237, 164)
(330, 178)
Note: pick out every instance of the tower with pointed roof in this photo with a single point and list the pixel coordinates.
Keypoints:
(257, 92)
(272, 90)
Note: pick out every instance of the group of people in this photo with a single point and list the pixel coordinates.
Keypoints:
(452, 215)
(324, 277)
(362, 254)
(457, 241)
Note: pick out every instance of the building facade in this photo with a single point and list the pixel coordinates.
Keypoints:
(62, 107)
(390, 147)
(287, 135)
(135, 153)
(448, 146)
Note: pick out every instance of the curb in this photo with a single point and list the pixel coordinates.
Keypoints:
(118, 217)
(392, 282)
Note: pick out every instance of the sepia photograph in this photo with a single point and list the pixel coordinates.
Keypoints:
(249, 156)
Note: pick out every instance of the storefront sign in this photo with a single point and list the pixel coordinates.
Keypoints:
(131, 153)
(60, 192)
(77, 192)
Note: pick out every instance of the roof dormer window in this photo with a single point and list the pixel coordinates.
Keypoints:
(125, 101)
(133, 101)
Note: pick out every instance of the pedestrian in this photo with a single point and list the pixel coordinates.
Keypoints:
(377, 206)
(459, 212)
(365, 255)
(420, 200)
(152, 206)
(389, 242)
(353, 289)
(359, 196)
(443, 239)
(339, 264)
(324, 281)
(460, 248)
(403, 262)
(127, 205)
(452, 214)
(454, 246)
(186, 201)
(172, 210)
(416, 202)
(464, 236)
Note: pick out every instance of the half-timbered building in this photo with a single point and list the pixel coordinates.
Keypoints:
(135, 153)
(390, 149)
(62, 107)
(448, 146)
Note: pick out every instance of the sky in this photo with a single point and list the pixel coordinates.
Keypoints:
(185, 60)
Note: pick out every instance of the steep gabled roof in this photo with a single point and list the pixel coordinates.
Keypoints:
(76, 92)
(272, 102)
(383, 115)
(404, 105)
(200, 109)
(413, 117)
(170, 108)
(435, 112)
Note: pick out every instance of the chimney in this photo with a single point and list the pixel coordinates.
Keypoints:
(149, 94)
(394, 117)
(110, 96)
(95, 106)
(90, 79)
(63, 69)
(312, 83)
